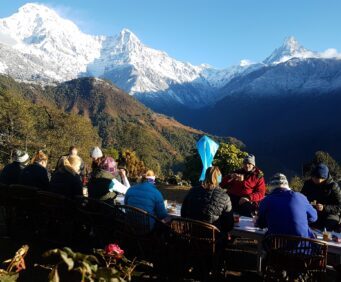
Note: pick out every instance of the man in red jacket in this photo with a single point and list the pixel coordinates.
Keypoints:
(246, 187)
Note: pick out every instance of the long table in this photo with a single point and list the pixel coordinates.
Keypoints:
(173, 208)
(246, 229)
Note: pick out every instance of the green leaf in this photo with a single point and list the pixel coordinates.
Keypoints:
(54, 276)
(9, 277)
(108, 274)
(84, 265)
(69, 261)
(69, 252)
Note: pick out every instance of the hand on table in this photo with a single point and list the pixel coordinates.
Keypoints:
(167, 219)
(243, 200)
(319, 207)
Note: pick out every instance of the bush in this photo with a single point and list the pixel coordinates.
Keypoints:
(296, 183)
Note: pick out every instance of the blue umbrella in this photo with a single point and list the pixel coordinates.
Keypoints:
(207, 149)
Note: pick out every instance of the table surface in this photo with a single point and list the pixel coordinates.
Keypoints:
(173, 208)
(246, 228)
(246, 224)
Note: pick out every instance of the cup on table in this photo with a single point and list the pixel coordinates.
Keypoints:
(171, 206)
(236, 217)
(85, 191)
(254, 215)
(166, 203)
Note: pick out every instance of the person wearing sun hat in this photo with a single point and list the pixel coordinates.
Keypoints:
(284, 211)
(11, 172)
(325, 194)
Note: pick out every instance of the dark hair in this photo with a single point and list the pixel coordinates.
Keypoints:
(96, 164)
(72, 148)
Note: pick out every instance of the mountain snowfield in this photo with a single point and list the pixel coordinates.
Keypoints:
(37, 45)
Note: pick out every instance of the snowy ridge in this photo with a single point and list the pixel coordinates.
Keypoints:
(38, 45)
(290, 49)
(38, 31)
(44, 47)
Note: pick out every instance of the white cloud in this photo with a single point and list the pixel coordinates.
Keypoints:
(245, 62)
(330, 53)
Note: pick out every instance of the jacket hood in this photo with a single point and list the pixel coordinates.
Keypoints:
(101, 173)
(66, 166)
(329, 179)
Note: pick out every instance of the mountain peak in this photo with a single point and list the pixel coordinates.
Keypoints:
(126, 37)
(38, 12)
(30, 7)
(291, 43)
(290, 48)
(36, 20)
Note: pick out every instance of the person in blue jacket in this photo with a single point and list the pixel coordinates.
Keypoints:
(284, 211)
(147, 197)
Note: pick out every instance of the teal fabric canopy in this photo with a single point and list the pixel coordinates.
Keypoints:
(207, 149)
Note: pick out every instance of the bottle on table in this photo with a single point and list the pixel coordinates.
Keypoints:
(325, 235)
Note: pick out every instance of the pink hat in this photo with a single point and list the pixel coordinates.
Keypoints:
(109, 165)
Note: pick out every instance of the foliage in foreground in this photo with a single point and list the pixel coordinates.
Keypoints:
(14, 265)
(109, 264)
(102, 265)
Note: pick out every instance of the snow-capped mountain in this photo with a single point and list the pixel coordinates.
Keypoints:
(293, 77)
(38, 45)
(40, 35)
(291, 48)
(44, 47)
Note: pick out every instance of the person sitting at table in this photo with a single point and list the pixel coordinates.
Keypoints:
(325, 194)
(66, 179)
(246, 187)
(147, 197)
(284, 211)
(36, 174)
(73, 151)
(103, 184)
(11, 172)
(209, 203)
(96, 153)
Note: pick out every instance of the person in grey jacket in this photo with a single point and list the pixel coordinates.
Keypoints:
(209, 203)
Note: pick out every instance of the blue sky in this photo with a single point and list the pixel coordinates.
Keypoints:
(216, 32)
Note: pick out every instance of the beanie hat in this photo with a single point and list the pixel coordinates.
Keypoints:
(279, 180)
(109, 164)
(320, 171)
(20, 156)
(96, 153)
(250, 159)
